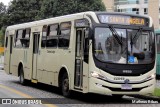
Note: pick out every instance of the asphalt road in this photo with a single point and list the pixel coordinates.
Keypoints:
(11, 88)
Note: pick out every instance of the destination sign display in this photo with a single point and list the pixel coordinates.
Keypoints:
(81, 23)
(123, 20)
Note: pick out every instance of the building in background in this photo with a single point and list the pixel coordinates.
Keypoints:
(153, 11)
(109, 5)
(142, 7)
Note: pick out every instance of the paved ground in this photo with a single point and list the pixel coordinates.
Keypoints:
(10, 88)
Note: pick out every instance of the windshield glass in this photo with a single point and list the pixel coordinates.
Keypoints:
(124, 45)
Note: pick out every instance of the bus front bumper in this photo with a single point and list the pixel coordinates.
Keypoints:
(102, 87)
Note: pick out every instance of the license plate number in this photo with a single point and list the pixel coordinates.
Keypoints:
(126, 87)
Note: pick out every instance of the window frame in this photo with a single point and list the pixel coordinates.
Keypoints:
(24, 35)
(60, 34)
(6, 39)
(45, 36)
(48, 32)
(16, 38)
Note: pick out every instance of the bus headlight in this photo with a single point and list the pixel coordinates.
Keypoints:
(97, 75)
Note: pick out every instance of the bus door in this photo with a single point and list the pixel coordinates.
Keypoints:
(36, 37)
(81, 66)
(8, 53)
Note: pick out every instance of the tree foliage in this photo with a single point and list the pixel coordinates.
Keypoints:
(1, 38)
(20, 11)
(52, 8)
(25, 11)
(2, 18)
(2, 14)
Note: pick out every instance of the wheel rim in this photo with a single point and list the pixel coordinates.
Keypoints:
(66, 85)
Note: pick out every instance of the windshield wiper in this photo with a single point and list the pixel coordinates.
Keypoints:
(136, 36)
(133, 40)
(115, 34)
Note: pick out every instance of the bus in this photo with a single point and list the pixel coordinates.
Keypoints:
(89, 52)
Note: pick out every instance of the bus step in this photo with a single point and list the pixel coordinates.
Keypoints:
(78, 88)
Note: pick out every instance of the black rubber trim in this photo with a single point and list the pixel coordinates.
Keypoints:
(124, 83)
(122, 90)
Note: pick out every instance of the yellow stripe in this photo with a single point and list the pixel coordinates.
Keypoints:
(34, 81)
(23, 95)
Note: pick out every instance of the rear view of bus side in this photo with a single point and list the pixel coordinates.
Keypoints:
(89, 52)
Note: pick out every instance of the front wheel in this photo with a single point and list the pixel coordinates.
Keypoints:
(21, 77)
(65, 86)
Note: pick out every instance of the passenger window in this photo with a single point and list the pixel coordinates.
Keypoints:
(44, 35)
(52, 38)
(6, 43)
(18, 38)
(65, 30)
(25, 40)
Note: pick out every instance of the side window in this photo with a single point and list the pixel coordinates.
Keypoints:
(18, 38)
(86, 45)
(44, 35)
(6, 42)
(64, 38)
(52, 37)
(25, 40)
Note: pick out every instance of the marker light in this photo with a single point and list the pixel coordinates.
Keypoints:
(151, 76)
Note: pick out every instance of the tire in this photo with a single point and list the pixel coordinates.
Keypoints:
(117, 96)
(65, 86)
(22, 80)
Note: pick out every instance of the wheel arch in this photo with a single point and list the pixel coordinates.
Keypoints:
(63, 70)
(19, 67)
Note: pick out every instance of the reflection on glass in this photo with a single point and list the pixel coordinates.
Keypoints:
(135, 46)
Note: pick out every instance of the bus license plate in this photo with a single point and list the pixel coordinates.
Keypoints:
(126, 87)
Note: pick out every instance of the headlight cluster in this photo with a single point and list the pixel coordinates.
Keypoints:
(152, 76)
(97, 75)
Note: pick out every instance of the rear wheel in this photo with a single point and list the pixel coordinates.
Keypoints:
(21, 77)
(65, 86)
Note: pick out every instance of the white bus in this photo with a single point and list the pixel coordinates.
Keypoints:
(89, 52)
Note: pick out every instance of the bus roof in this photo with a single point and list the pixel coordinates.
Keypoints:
(49, 20)
(73, 16)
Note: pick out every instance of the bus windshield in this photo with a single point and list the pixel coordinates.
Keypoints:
(124, 46)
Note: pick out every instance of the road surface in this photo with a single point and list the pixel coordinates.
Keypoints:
(11, 88)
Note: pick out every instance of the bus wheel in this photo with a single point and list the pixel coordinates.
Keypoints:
(65, 86)
(21, 77)
(117, 96)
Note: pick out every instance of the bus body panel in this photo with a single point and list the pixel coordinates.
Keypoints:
(8, 52)
(7, 56)
(96, 85)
